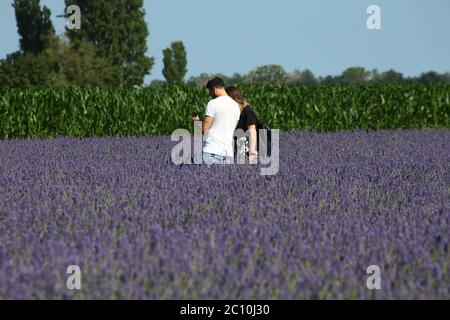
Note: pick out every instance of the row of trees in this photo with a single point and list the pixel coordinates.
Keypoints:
(354, 75)
(108, 50)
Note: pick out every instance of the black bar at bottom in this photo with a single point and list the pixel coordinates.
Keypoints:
(212, 309)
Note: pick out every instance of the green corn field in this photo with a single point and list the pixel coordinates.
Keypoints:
(47, 113)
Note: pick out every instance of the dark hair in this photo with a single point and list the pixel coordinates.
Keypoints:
(234, 93)
(215, 83)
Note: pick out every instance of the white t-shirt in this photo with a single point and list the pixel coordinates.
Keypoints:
(225, 113)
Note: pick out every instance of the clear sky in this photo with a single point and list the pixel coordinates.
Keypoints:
(325, 36)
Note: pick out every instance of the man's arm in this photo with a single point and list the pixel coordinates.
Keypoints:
(207, 122)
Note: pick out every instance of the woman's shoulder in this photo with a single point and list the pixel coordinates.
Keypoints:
(249, 114)
(248, 109)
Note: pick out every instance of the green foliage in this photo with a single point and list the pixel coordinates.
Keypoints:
(302, 77)
(80, 66)
(119, 32)
(34, 25)
(389, 76)
(60, 65)
(355, 75)
(431, 77)
(24, 70)
(274, 74)
(268, 74)
(160, 110)
(175, 63)
(202, 79)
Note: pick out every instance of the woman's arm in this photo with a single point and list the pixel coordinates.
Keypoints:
(252, 144)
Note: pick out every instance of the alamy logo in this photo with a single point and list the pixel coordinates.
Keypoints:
(374, 280)
(74, 280)
(374, 20)
(74, 18)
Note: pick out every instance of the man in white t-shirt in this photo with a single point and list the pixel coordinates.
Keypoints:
(221, 118)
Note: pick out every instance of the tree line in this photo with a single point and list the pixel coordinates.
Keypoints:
(275, 74)
(110, 50)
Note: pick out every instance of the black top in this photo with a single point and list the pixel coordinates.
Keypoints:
(247, 119)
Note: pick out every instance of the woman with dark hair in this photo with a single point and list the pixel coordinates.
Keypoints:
(247, 122)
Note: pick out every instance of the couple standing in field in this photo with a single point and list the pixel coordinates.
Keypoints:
(227, 112)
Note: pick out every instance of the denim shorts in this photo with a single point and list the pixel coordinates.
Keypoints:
(209, 158)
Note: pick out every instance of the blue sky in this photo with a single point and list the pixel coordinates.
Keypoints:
(325, 36)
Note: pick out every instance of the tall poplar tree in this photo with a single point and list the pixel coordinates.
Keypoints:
(175, 63)
(119, 32)
(34, 25)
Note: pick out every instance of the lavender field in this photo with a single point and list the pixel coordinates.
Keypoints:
(140, 227)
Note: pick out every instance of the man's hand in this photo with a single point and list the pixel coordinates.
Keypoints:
(196, 118)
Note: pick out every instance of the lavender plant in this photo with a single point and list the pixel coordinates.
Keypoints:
(140, 227)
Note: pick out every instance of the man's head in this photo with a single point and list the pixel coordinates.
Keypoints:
(216, 87)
